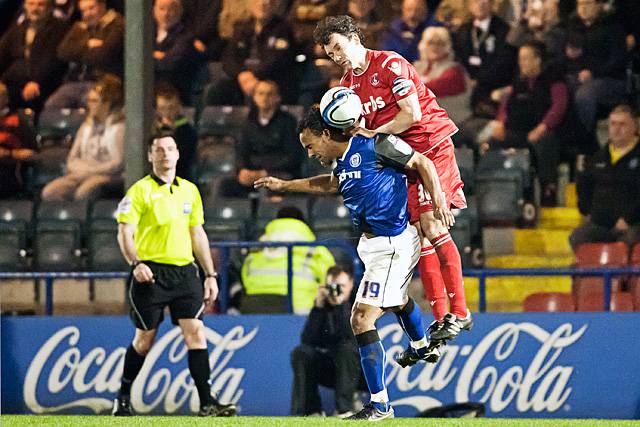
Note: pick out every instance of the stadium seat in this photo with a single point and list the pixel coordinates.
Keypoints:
(503, 183)
(214, 159)
(102, 243)
(466, 164)
(635, 256)
(190, 114)
(330, 218)
(58, 236)
(549, 302)
(594, 255)
(15, 223)
(216, 120)
(59, 124)
(226, 219)
(621, 301)
(588, 293)
(296, 111)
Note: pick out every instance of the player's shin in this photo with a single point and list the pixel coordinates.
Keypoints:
(432, 283)
(410, 318)
(373, 360)
(200, 371)
(133, 362)
(451, 270)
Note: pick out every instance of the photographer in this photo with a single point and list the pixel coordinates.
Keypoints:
(327, 355)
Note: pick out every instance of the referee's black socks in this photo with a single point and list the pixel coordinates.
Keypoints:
(200, 372)
(132, 364)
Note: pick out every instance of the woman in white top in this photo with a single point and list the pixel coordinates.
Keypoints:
(96, 157)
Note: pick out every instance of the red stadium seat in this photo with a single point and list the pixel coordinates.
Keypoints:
(594, 255)
(549, 302)
(621, 301)
(634, 289)
(635, 256)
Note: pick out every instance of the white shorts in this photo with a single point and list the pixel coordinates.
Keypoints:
(388, 267)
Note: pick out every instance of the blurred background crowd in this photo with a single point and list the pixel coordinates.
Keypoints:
(544, 92)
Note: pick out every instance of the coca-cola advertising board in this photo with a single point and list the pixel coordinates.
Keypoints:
(518, 365)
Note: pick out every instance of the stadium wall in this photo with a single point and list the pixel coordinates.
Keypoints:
(519, 365)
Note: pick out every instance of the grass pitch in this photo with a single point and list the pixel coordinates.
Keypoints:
(178, 421)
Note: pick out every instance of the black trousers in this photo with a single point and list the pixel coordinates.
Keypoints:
(338, 369)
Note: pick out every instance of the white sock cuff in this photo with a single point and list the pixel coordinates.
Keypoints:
(381, 396)
(420, 343)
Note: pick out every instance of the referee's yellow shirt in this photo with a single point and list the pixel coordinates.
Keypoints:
(163, 214)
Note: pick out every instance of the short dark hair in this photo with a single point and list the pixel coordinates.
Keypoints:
(167, 90)
(626, 108)
(159, 135)
(341, 24)
(290, 212)
(337, 269)
(313, 121)
(537, 48)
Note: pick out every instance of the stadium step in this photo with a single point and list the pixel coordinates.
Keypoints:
(571, 196)
(559, 218)
(542, 241)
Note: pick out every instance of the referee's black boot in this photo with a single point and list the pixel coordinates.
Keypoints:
(122, 407)
(216, 409)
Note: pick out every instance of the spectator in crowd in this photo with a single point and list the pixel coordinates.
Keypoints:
(93, 47)
(541, 23)
(171, 120)
(305, 14)
(454, 13)
(405, 32)
(264, 272)
(29, 66)
(262, 47)
(442, 74)
(596, 59)
(203, 17)
(268, 144)
(17, 145)
(368, 20)
(481, 47)
(96, 157)
(327, 354)
(608, 188)
(531, 114)
(173, 51)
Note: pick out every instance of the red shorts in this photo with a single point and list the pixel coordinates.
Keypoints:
(444, 159)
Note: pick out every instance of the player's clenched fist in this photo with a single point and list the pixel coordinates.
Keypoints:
(143, 274)
(269, 182)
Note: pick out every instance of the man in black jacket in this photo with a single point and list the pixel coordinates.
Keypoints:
(261, 48)
(480, 46)
(595, 58)
(28, 62)
(327, 355)
(609, 187)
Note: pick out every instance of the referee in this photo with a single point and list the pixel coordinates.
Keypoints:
(160, 228)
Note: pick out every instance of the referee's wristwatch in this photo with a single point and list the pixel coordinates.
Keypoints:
(214, 275)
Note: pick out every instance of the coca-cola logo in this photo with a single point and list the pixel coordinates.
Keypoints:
(487, 375)
(97, 372)
(515, 365)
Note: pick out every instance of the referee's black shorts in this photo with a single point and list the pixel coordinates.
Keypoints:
(178, 287)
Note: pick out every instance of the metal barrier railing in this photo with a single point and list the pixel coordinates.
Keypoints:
(223, 282)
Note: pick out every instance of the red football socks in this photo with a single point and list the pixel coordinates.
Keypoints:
(451, 271)
(432, 283)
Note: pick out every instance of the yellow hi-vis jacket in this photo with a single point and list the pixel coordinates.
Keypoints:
(265, 271)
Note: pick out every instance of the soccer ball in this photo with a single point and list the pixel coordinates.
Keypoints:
(340, 107)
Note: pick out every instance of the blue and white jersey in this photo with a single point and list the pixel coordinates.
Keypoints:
(373, 184)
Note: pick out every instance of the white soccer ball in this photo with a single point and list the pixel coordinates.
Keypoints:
(340, 107)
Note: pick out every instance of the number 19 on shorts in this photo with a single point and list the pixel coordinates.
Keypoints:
(371, 289)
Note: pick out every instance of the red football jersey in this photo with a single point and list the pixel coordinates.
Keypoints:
(389, 78)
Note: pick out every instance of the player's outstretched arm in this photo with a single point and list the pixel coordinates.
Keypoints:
(429, 176)
(321, 184)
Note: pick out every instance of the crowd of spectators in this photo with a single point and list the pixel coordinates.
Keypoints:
(535, 74)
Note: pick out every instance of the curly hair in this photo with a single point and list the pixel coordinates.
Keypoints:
(109, 88)
(312, 120)
(341, 24)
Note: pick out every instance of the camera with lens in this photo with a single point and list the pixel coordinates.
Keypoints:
(335, 289)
